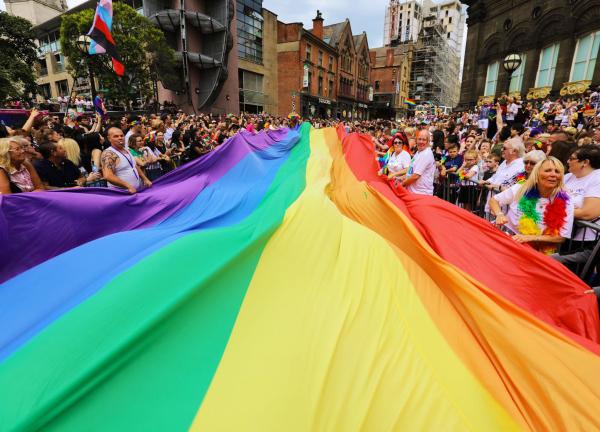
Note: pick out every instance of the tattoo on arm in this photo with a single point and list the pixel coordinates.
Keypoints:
(109, 160)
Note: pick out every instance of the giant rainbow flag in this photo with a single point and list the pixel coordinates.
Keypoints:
(277, 284)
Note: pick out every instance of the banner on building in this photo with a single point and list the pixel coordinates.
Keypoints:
(305, 78)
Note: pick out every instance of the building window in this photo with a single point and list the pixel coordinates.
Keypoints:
(250, 30)
(516, 80)
(49, 43)
(62, 88)
(377, 84)
(320, 86)
(491, 79)
(59, 65)
(320, 58)
(331, 63)
(308, 50)
(43, 66)
(330, 89)
(450, 20)
(547, 66)
(586, 54)
(45, 90)
(251, 92)
(448, 36)
(309, 87)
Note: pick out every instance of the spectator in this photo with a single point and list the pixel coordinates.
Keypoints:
(562, 150)
(491, 165)
(118, 166)
(399, 158)
(512, 151)
(419, 176)
(136, 148)
(73, 153)
(540, 212)
(451, 164)
(18, 175)
(468, 173)
(55, 170)
(583, 185)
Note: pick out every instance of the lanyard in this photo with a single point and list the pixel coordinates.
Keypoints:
(129, 161)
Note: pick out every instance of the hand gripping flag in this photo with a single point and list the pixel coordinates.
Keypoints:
(100, 33)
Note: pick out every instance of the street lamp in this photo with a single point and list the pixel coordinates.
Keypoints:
(83, 43)
(511, 63)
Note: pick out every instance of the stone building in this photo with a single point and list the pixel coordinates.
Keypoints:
(36, 11)
(557, 40)
(390, 79)
(257, 57)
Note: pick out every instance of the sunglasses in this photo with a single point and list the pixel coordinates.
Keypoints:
(529, 162)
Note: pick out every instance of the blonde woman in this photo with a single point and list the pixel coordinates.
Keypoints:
(72, 150)
(540, 212)
(73, 153)
(16, 173)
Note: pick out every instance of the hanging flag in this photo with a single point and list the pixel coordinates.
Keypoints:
(410, 102)
(100, 33)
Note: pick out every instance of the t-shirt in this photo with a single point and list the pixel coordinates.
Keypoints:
(422, 163)
(472, 174)
(64, 175)
(579, 189)
(507, 198)
(511, 111)
(398, 161)
(507, 172)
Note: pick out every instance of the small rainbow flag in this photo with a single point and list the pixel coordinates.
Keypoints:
(279, 284)
(410, 102)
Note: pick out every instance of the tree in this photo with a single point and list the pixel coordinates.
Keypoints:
(142, 47)
(19, 54)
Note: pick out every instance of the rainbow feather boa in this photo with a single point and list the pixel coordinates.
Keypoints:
(554, 217)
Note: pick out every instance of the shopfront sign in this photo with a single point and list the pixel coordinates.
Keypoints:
(324, 101)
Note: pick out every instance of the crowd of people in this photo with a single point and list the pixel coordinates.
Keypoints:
(532, 167)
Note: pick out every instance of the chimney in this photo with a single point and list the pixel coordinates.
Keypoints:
(317, 29)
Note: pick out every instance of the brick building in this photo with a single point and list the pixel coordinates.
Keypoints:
(390, 78)
(324, 71)
(558, 41)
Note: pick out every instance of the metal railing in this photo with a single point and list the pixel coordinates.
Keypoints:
(581, 256)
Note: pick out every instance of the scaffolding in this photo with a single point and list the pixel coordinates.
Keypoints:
(435, 68)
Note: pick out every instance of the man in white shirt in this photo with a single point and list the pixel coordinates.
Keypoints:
(512, 152)
(419, 176)
(511, 111)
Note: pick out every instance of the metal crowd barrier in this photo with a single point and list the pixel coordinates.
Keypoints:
(474, 198)
(584, 254)
(467, 194)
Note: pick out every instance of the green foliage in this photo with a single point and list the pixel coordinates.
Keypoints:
(19, 54)
(142, 47)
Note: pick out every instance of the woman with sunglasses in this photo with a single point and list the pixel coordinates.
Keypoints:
(583, 185)
(399, 157)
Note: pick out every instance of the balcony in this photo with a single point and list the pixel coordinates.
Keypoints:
(170, 19)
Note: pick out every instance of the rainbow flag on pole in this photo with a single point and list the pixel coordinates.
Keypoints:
(279, 284)
(410, 102)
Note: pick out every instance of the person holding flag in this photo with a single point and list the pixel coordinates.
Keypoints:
(99, 105)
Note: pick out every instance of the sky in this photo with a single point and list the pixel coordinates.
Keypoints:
(364, 15)
(367, 15)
